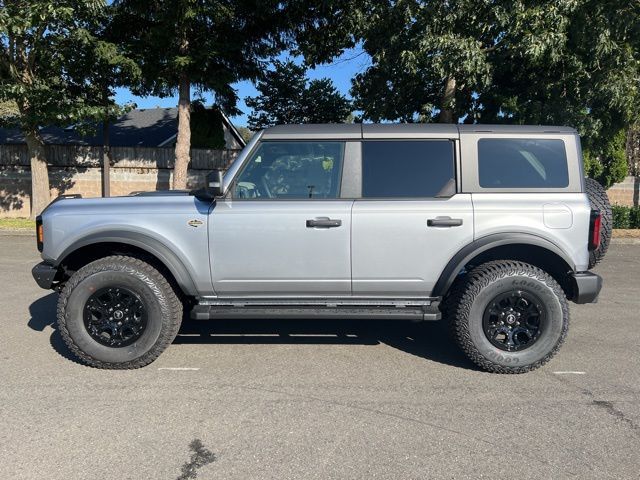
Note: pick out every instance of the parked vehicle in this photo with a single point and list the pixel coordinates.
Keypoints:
(491, 227)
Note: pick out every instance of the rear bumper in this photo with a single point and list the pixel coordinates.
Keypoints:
(44, 275)
(586, 287)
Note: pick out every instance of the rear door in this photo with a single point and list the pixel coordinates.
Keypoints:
(410, 220)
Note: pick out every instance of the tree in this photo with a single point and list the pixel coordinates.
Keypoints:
(324, 103)
(103, 63)
(247, 134)
(42, 43)
(568, 62)
(288, 97)
(437, 59)
(578, 64)
(280, 99)
(206, 44)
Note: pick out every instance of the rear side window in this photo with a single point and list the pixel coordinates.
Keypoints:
(522, 163)
(408, 169)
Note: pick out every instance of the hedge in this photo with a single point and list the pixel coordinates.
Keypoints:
(626, 217)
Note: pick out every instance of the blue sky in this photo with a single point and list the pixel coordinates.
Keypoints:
(341, 71)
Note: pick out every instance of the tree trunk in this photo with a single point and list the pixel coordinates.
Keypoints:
(183, 141)
(448, 100)
(106, 157)
(40, 193)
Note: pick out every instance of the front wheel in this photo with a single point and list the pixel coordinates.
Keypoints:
(118, 312)
(508, 316)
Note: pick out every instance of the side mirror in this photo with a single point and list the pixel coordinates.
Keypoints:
(215, 183)
(214, 186)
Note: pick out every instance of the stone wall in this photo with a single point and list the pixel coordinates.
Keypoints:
(78, 170)
(625, 192)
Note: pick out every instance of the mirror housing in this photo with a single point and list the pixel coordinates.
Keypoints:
(214, 186)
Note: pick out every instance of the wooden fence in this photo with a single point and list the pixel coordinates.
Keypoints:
(121, 157)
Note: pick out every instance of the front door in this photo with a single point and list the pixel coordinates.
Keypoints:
(283, 230)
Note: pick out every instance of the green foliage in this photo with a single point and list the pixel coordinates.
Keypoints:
(416, 47)
(606, 161)
(48, 58)
(206, 127)
(625, 217)
(324, 104)
(246, 133)
(634, 217)
(288, 97)
(213, 44)
(17, 224)
(559, 62)
(621, 216)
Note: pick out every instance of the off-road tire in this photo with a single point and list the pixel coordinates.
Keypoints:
(470, 295)
(164, 306)
(599, 200)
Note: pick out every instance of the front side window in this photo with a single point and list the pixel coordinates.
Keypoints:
(292, 170)
(406, 169)
(522, 163)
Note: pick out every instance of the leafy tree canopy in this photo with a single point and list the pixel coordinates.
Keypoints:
(568, 62)
(287, 96)
(214, 44)
(47, 51)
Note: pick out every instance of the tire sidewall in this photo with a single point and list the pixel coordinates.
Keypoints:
(553, 328)
(153, 301)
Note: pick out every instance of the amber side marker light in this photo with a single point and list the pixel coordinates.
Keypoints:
(39, 233)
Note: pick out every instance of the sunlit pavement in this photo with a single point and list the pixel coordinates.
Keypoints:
(321, 399)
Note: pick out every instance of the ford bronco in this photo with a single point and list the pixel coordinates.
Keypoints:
(491, 228)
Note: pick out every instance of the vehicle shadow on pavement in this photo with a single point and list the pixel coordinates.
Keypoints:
(429, 340)
(43, 314)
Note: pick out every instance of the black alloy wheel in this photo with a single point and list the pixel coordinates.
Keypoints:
(513, 320)
(115, 316)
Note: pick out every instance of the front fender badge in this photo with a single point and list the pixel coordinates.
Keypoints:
(194, 223)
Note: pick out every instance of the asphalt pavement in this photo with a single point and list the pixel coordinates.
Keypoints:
(319, 399)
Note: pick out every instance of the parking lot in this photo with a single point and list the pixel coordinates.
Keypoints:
(319, 399)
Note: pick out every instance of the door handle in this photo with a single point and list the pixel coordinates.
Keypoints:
(323, 222)
(444, 222)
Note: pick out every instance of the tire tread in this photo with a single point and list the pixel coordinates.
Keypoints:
(457, 307)
(164, 292)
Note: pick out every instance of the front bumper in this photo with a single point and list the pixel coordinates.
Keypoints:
(586, 287)
(44, 275)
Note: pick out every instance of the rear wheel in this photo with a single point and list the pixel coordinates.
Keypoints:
(118, 312)
(600, 201)
(508, 316)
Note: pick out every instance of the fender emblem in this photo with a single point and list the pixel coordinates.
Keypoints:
(194, 223)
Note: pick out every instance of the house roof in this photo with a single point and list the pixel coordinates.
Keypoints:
(150, 127)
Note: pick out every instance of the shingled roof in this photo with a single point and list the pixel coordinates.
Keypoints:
(150, 127)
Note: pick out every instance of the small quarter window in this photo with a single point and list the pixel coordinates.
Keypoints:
(406, 169)
(522, 163)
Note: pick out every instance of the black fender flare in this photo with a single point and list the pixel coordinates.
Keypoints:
(483, 244)
(144, 242)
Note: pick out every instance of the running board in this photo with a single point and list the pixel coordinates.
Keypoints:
(256, 309)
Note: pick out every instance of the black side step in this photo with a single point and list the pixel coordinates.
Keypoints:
(416, 313)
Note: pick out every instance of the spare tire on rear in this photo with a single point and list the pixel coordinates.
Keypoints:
(599, 200)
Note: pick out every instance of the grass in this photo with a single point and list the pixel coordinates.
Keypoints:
(17, 224)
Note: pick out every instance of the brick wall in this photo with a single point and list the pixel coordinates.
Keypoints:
(77, 170)
(625, 192)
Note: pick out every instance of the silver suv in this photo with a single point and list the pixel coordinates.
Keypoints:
(490, 227)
